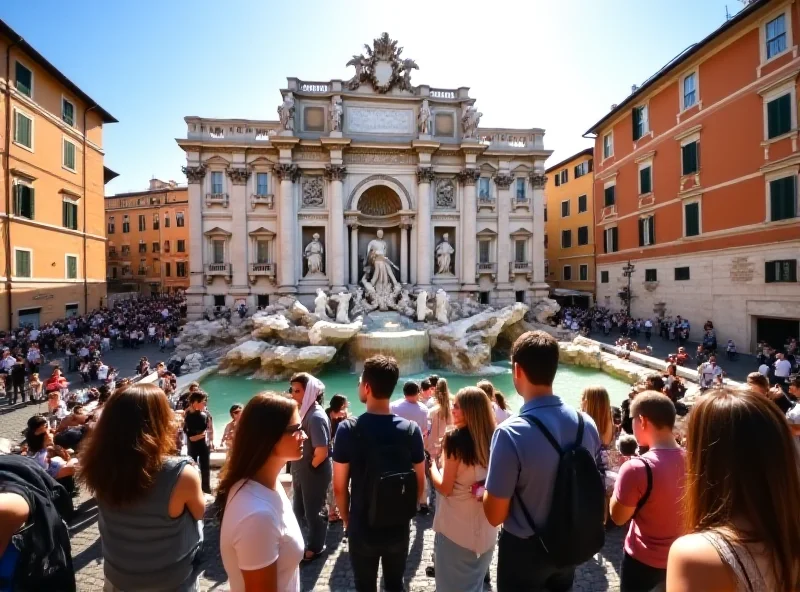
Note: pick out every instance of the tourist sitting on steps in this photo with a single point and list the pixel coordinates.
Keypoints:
(465, 540)
(150, 503)
(648, 491)
(312, 474)
(260, 539)
(741, 499)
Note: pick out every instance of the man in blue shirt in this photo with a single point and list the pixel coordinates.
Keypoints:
(523, 461)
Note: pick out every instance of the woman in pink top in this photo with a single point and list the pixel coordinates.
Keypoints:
(649, 489)
(440, 419)
(464, 538)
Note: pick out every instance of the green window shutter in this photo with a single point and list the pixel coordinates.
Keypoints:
(769, 272)
(690, 158)
(23, 79)
(23, 130)
(653, 229)
(645, 181)
(772, 119)
(17, 199)
(615, 239)
(636, 117)
(609, 196)
(692, 213)
(782, 199)
(31, 202)
(65, 215)
(641, 231)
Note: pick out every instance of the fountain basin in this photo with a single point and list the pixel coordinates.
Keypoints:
(409, 347)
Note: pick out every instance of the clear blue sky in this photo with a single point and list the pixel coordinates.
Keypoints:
(556, 64)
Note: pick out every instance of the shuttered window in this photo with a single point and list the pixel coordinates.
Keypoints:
(24, 80)
(691, 158)
(645, 180)
(610, 195)
(783, 198)
(72, 267)
(23, 130)
(69, 155)
(583, 235)
(780, 271)
(647, 231)
(566, 239)
(610, 240)
(23, 263)
(691, 214)
(24, 203)
(779, 116)
(69, 217)
(582, 207)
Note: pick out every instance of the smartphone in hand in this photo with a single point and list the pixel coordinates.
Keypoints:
(478, 488)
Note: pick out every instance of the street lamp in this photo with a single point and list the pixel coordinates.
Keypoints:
(627, 272)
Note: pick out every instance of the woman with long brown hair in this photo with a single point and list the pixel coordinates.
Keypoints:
(261, 543)
(150, 502)
(596, 403)
(742, 490)
(464, 538)
(440, 419)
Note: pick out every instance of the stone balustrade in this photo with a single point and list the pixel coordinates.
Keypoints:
(520, 267)
(219, 199)
(504, 138)
(443, 93)
(520, 202)
(231, 131)
(608, 212)
(486, 201)
(313, 87)
(267, 269)
(262, 200)
(217, 269)
(486, 268)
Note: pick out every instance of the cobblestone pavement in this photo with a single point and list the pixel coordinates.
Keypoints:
(332, 575)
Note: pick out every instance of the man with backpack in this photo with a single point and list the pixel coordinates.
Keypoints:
(543, 485)
(382, 457)
(649, 490)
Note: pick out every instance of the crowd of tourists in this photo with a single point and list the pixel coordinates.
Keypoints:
(539, 487)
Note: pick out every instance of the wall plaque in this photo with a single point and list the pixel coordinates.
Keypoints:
(379, 121)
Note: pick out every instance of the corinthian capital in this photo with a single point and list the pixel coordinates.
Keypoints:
(469, 176)
(503, 181)
(538, 180)
(238, 175)
(286, 172)
(335, 172)
(425, 174)
(194, 174)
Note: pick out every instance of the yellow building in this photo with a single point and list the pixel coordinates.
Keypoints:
(52, 186)
(569, 227)
(148, 239)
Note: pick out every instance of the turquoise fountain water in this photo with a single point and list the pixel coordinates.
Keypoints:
(570, 381)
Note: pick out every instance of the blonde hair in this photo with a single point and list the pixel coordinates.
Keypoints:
(442, 396)
(596, 403)
(479, 422)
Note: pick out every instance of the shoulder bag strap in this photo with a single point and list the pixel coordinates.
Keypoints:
(579, 438)
(648, 490)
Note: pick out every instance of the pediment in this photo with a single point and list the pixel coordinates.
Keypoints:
(487, 233)
(522, 233)
(262, 232)
(262, 161)
(217, 231)
(522, 168)
(217, 160)
(488, 167)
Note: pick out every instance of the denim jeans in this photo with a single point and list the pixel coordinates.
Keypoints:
(458, 569)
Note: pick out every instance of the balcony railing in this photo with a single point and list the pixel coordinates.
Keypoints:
(486, 201)
(213, 270)
(608, 212)
(262, 200)
(229, 130)
(521, 267)
(220, 199)
(268, 270)
(511, 139)
(486, 268)
(520, 202)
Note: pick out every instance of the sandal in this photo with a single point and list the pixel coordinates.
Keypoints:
(313, 557)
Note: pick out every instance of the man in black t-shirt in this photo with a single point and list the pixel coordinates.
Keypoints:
(196, 423)
(368, 546)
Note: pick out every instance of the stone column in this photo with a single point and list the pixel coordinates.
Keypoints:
(405, 224)
(412, 263)
(503, 182)
(287, 223)
(353, 224)
(336, 239)
(469, 224)
(424, 249)
(239, 243)
(196, 290)
(540, 288)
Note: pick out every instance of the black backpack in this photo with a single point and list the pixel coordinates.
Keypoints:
(391, 482)
(575, 528)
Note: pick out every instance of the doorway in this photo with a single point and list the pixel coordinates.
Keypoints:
(776, 331)
(29, 317)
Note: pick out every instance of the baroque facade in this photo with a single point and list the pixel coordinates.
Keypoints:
(352, 168)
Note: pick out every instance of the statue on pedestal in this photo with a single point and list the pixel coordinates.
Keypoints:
(424, 118)
(422, 306)
(470, 121)
(336, 114)
(313, 254)
(286, 113)
(441, 306)
(444, 253)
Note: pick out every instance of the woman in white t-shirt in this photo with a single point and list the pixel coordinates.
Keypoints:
(260, 540)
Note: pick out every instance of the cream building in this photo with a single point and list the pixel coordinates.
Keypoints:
(295, 205)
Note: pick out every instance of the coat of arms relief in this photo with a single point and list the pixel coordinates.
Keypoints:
(382, 67)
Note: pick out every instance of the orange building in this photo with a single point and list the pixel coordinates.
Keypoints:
(569, 228)
(52, 184)
(148, 239)
(696, 174)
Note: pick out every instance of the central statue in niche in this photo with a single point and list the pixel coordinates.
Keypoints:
(379, 280)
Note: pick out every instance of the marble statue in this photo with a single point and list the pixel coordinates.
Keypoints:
(422, 306)
(343, 307)
(405, 83)
(321, 304)
(336, 114)
(286, 112)
(470, 121)
(380, 265)
(424, 118)
(444, 253)
(441, 306)
(404, 303)
(313, 254)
